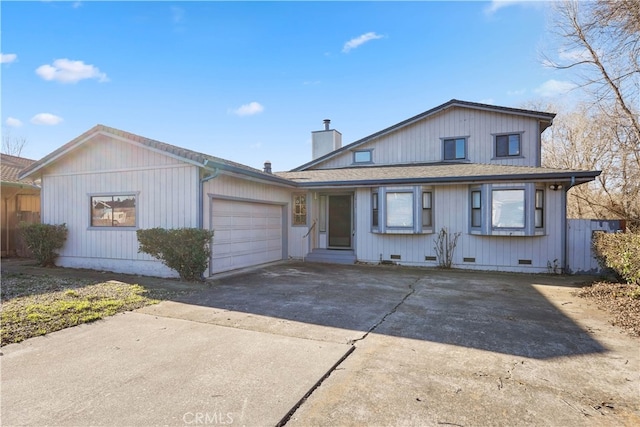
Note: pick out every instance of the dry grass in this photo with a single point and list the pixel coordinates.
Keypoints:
(622, 301)
(37, 305)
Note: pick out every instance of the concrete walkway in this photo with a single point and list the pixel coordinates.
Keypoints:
(310, 344)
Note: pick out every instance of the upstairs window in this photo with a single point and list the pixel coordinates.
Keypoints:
(508, 145)
(363, 156)
(455, 149)
(299, 209)
(113, 210)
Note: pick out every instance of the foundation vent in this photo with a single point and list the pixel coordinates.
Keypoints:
(468, 259)
(524, 261)
(395, 257)
(430, 258)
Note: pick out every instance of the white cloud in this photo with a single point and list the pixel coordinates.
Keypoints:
(67, 71)
(76, 4)
(552, 88)
(496, 5)
(360, 40)
(7, 58)
(576, 55)
(47, 119)
(249, 109)
(13, 122)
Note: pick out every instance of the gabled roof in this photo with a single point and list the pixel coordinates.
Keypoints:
(11, 166)
(433, 173)
(184, 154)
(542, 116)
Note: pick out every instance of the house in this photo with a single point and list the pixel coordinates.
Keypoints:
(463, 167)
(20, 202)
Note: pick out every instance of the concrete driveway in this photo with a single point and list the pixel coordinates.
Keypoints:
(303, 344)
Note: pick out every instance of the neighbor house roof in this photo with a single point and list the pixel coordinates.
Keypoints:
(10, 167)
(186, 155)
(433, 173)
(546, 118)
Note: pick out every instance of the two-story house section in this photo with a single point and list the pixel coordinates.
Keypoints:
(470, 169)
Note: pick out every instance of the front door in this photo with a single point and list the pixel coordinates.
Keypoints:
(340, 217)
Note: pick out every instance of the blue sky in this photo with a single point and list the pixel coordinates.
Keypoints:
(249, 81)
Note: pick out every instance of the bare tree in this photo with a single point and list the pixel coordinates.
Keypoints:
(13, 145)
(600, 44)
(585, 138)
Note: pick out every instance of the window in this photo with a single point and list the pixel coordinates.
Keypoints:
(427, 212)
(118, 210)
(299, 209)
(455, 149)
(363, 156)
(374, 209)
(508, 145)
(476, 209)
(322, 221)
(539, 211)
(399, 210)
(507, 208)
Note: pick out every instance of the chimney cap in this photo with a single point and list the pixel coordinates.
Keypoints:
(326, 123)
(267, 167)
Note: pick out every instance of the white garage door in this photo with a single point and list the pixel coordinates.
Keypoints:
(245, 234)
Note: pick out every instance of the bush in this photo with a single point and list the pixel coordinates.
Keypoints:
(44, 241)
(621, 253)
(185, 250)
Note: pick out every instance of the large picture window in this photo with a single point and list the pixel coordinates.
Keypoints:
(113, 211)
(507, 208)
(399, 209)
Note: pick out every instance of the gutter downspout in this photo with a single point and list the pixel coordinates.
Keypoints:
(565, 228)
(201, 181)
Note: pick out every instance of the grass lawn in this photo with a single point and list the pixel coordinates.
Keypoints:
(38, 305)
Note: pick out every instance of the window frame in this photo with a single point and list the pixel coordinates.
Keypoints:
(116, 194)
(508, 135)
(355, 160)
(427, 211)
(465, 142)
(493, 208)
(295, 216)
(539, 208)
(380, 194)
(476, 209)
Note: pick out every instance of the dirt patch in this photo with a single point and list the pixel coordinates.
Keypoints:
(622, 301)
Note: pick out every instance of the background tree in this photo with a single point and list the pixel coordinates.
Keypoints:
(599, 42)
(12, 145)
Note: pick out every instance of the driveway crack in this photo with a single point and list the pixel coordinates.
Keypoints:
(335, 367)
(412, 290)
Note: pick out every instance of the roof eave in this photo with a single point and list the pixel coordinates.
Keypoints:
(579, 177)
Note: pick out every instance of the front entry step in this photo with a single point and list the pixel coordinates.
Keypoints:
(331, 256)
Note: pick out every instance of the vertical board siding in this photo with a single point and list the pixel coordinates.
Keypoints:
(421, 142)
(166, 197)
(451, 210)
(581, 256)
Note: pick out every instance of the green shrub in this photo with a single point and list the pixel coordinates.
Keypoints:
(621, 253)
(44, 241)
(185, 250)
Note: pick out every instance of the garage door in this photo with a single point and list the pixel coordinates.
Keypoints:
(246, 234)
